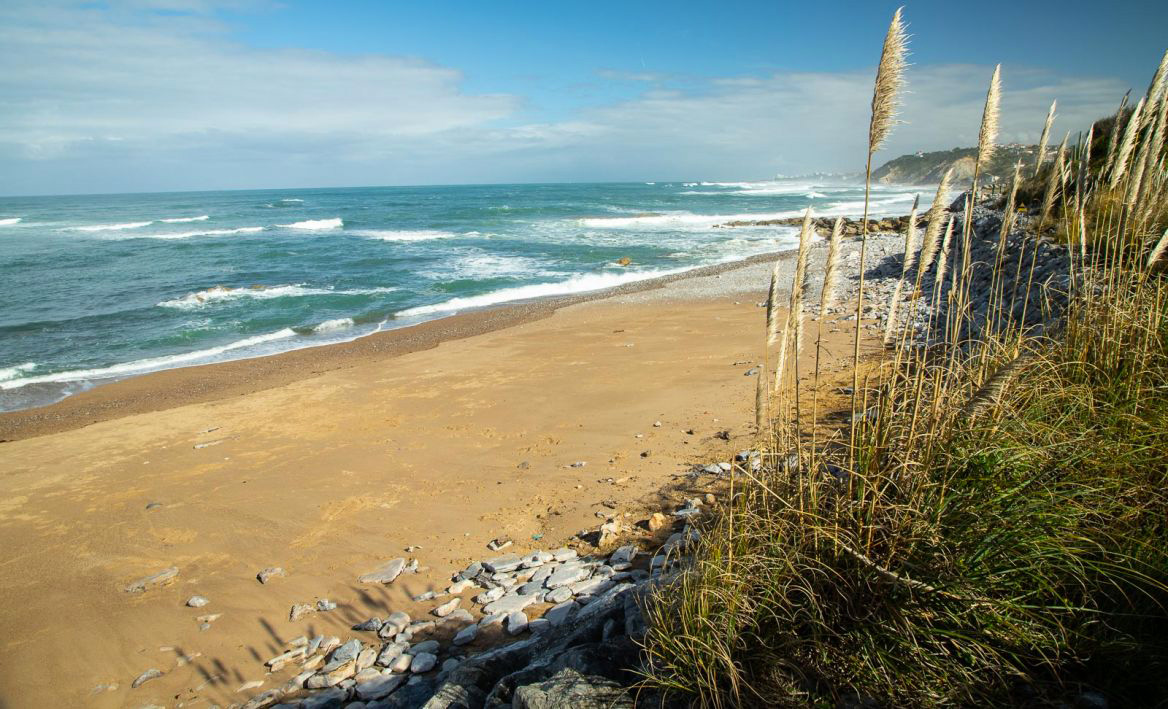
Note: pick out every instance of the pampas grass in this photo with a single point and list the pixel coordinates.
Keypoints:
(1045, 137)
(1054, 183)
(988, 135)
(831, 271)
(1113, 141)
(936, 219)
(772, 317)
(1157, 251)
(793, 327)
(1127, 144)
(889, 82)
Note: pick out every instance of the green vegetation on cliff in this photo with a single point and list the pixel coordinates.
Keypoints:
(927, 168)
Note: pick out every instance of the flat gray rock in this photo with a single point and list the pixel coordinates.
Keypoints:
(270, 573)
(569, 688)
(446, 608)
(197, 602)
(466, 635)
(558, 595)
(346, 652)
(386, 574)
(510, 604)
(430, 646)
(516, 623)
(503, 564)
(567, 574)
(378, 688)
(154, 580)
(423, 662)
(560, 613)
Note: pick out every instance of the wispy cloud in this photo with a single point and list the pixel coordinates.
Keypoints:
(113, 98)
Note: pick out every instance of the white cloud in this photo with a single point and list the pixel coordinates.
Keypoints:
(126, 99)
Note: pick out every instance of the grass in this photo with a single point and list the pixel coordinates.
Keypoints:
(993, 530)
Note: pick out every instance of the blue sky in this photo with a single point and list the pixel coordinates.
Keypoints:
(204, 94)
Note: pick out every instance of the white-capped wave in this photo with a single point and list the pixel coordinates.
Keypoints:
(9, 221)
(291, 199)
(220, 294)
(180, 220)
(334, 325)
(201, 232)
(577, 284)
(151, 364)
(405, 234)
(9, 373)
(111, 227)
(315, 224)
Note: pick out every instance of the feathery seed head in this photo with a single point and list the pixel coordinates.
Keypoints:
(1127, 144)
(889, 82)
(831, 268)
(988, 134)
(936, 215)
(1045, 137)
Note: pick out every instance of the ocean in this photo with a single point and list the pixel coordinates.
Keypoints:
(102, 287)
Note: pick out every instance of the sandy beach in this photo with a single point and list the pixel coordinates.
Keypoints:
(532, 422)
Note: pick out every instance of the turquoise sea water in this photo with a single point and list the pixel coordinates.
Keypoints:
(95, 288)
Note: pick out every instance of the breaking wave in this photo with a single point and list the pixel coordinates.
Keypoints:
(180, 220)
(403, 234)
(315, 224)
(9, 221)
(220, 294)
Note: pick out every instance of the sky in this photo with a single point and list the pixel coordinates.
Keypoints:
(163, 95)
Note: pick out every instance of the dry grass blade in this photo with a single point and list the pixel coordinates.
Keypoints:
(990, 393)
(831, 269)
(889, 82)
(1045, 138)
(1127, 144)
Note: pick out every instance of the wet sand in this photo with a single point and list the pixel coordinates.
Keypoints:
(327, 462)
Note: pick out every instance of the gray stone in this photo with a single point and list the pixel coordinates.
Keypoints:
(325, 604)
(466, 635)
(365, 675)
(502, 564)
(390, 652)
(154, 580)
(346, 652)
(488, 596)
(569, 688)
(145, 677)
(450, 664)
(557, 614)
(386, 574)
(401, 663)
(471, 571)
(460, 586)
(197, 601)
(380, 687)
(264, 699)
(446, 608)
(516, 623)
(510, 604)
(333, 697)
(423, 662)
(530, 588)
(366, 658)
(398, 620)
(558, 595)
(591, 587)
(279, 661)
(426, 596)
(537, 559)
(544, 571)
(372, 625)
(270, 573)
(460, 615)
(494, 619)
(623, 555)
(539, 625)
(564, 554)
(567, 574)
(430, 646)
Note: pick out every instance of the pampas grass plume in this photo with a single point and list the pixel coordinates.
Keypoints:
(936, 215)
(831, 268)
(988, 134)
(1127, 144)
(1045, 137)
(889, 81)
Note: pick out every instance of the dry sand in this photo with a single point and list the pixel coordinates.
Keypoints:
(328, 464)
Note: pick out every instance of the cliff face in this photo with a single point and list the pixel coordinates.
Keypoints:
(927, 168)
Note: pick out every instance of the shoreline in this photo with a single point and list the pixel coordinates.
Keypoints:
(204, 383)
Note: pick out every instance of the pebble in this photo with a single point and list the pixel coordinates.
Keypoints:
(325, 604)
(386, 574)
(373, 624)
(656, 424)
(145, 677)
(300, 610)
(153, 505)
(366, 675)
(366, 658)
(579, 464)
(378, 687)
(516, 623)
(493, 594)
(423, 662)
(471, 571)
(398, 621)
(656, 521)
(346, 652)
(458, 587)
(401, 663)
(467, 634)
(558, 595)
(499, 544)
(197, 602)
(389, 653)
(426, 596)
(154, 580)
(269, 573)
(446, 608)
(460, 615)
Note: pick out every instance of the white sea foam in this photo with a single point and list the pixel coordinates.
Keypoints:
(189, 234)
(179, 220)
(315, 224)
(10, 373)
(334, 325)
(577, 284)
(111, 227)
(151, 364)
(220, 294)
(405, 234)
(9, 221)
(291, 199)
(678, 221)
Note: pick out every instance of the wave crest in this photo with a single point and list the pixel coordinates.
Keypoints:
(220, 294)
(315, 224)
(180, 220)
(9, 221)
(404, 234)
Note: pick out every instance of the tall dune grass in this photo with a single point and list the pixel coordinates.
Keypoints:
(993, 528)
